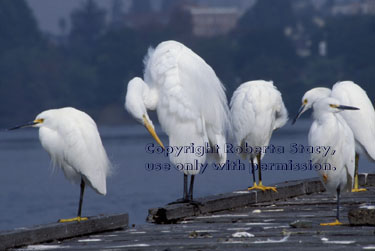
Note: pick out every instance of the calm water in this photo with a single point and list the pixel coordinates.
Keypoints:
(33, 193)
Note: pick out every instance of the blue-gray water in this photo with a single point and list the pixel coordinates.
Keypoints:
(31, 192)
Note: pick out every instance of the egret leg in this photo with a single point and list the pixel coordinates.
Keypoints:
(260, 176)
(337, 221)
(78, 218)
(356, 188)
(255, 186)
(81, 198)
(185, 195)
(190, 195)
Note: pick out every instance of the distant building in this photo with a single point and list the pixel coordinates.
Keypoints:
(213, 21)
(354, 7)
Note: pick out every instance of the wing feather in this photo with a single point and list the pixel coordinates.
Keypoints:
(190, 93)
(362, 122)
(256, 110)
(76, 147)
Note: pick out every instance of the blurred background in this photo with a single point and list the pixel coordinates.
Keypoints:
(82, 53)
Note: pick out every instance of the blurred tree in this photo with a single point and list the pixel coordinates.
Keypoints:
(268, 15)
(117, 14)
(262, 49)
(351, 40)
(81, 74)
(180, 24)
(141, 6)
(120, 54)
(91, 69)
(62, 26)
(260, 38)
(21, 45)
(18, 27)
(168, 5)
(88, 24)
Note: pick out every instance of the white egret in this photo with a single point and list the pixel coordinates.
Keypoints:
(257, 109)
(336, 169)
(72, 140)
(361, 122)
(189, 100)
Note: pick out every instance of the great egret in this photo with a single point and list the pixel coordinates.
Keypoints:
(190, 103)
(336, 169)
(72, 140)
(361, 122)
(257, 109)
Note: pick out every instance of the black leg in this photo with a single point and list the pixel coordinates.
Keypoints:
(81, 197)
(356, 171)
(185, 194)
(252, 168)
(190, 196)
(259, 169)
(337, 221)
(187, 197)
(338, 204)
(191, 189)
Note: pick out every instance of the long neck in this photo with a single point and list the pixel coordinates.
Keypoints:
(150, 97)
(323, 116)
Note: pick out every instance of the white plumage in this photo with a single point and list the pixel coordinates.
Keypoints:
(362, 122)
(330, 129)
(257, 109)
(188, 97)
(72, 140)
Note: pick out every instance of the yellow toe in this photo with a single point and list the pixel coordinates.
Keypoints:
(335, 223)
(262, 187)
(255, 186)
(267, 188)
(73, 219)
(356, 190)
(270, 188)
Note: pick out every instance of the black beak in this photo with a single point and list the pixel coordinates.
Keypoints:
(345, 107)
(31, 123)
(298, 114)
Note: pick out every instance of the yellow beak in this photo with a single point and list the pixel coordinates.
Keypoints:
(151, 130)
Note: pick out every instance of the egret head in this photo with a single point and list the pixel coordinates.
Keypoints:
(50, 118)
(309, 98)
(38, 122)
(135, 105)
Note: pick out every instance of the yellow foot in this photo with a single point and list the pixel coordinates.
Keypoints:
(73, 219)
(355, 190)
(335, 223)
(261, 187)
(255, 186)
(268, 188)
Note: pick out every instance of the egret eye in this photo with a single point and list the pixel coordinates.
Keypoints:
(305, 101)
(39, 121)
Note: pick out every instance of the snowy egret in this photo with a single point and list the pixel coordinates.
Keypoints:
(330, 129)
(72, 140)
(190, 103)
(257, 109)
(361, 122)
